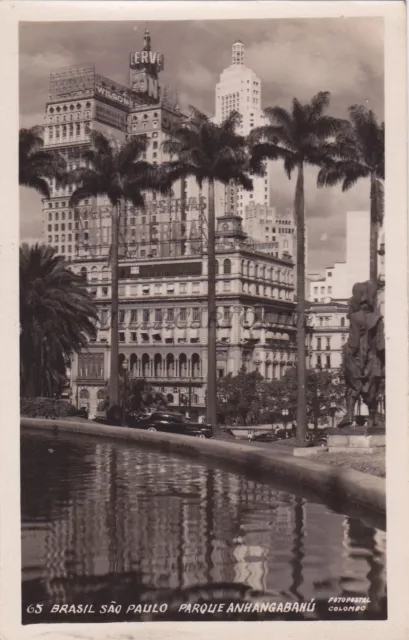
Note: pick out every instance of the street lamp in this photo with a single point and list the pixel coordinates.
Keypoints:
(285, 414)
(316, 407)
(125, 385)
(333, 410)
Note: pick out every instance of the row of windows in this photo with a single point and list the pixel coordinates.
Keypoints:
(194, 315)
(63, 238)
(68, 130)
(69, 107)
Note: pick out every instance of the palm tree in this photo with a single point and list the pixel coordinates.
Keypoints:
(360, 153)
(299, 137)
(36, 166)
(214, 154)
(115, 170)
(57, 317)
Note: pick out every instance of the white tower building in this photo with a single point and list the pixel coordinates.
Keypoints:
(239, 89)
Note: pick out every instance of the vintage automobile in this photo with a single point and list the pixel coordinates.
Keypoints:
(171, 423)
(316, 438)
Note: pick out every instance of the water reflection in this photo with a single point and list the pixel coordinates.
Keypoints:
(101, 521)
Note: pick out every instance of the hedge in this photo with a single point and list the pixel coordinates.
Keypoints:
(46, 408)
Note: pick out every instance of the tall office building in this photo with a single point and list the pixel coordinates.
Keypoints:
(239, 89)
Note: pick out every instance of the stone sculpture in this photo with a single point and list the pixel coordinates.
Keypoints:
(363, 353)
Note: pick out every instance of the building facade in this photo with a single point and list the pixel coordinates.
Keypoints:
(329, 327)
(163, 320)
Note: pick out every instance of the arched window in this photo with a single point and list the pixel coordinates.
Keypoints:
(170, 366)
(84, 394)
(145, 365)
(182, 365)
(94, 274)
(195, 365)
(170, 398)
(157, 365)
(248, 268)
(227, 267)
(84, 274)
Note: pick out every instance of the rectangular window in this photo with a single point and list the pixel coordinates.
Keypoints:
(319, 365)
(122, 316)
(328, 362)
(196, 314)
(182, 288)
(329, 291)
(158, 315)
(171, 315)
(134, 315)
(328, 343)
(146, 315)
(121, 336)
(134, 337)
(319, 344)
(104, 316)
(183, 315)
(226, 314)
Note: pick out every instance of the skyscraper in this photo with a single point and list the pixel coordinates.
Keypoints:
(239, 89)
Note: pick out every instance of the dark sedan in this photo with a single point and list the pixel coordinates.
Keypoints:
(170, 423)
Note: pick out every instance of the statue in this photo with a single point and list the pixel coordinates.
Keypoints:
(363, 353)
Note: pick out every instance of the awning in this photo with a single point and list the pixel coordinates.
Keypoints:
(270, 335)
(194, 334)
(169, 333)
(157, 337)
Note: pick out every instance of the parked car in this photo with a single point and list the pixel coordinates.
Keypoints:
(316, 438)
(171, 423)
(262, 436)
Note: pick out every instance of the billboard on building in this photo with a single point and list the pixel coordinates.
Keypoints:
(163, 228)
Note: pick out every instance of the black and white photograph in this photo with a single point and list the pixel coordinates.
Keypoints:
(203, 318)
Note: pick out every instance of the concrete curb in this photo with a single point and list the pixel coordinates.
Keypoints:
(344, 484)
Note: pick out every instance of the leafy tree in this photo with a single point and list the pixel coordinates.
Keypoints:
(116, 171)
(57, 317)
(243, 397)
(250, 399)
(359, 153)
(138, 395)
(211, 153)
(298, 137)
(37, 167)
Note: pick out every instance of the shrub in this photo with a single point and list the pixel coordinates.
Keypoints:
(46, 408)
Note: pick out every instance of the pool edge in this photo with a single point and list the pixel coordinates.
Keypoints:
(338, 482)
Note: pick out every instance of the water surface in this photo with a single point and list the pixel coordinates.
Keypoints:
(105, 521)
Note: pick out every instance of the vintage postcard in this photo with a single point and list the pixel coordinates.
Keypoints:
(205, 319)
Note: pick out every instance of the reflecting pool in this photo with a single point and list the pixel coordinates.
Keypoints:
(106, 521)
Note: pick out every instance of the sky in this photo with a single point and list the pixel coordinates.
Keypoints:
(293, 58)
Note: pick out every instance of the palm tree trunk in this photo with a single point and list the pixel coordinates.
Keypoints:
(373, 232)
(301, 354)
(211, 305)
(114, 372)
